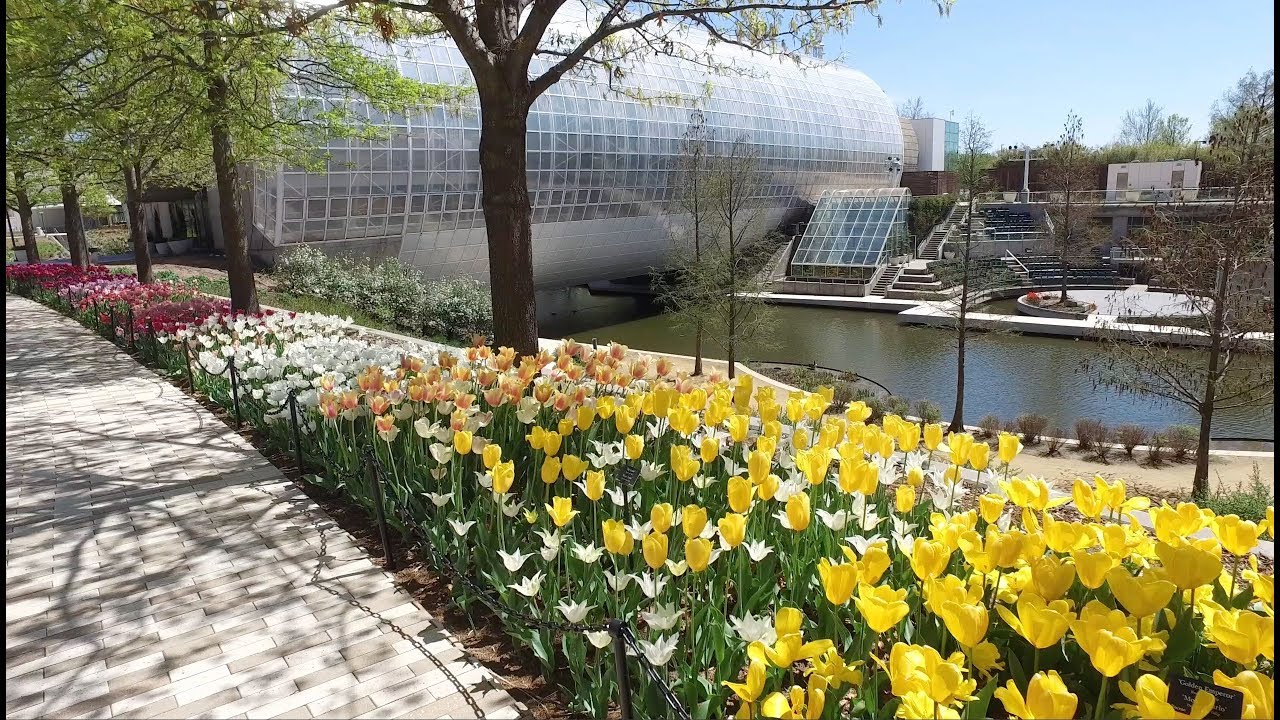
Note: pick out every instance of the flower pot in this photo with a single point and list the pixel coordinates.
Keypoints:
(162, 249)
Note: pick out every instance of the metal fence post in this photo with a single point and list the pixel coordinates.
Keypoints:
(133, 341)
(186, 358)
(155, 345)
(235, 389)
(293, 420)
(374, 478)
(616, 629)
(113, 323)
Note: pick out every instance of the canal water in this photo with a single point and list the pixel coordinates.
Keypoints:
(1006, 374)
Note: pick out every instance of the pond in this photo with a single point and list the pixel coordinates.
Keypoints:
(1007, 374)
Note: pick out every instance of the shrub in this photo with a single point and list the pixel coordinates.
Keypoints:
(897, 405)
(1054, 437)
(842, 394)
(877, 407)
(928, 412)
(1130, 436)
(991, 426)
(1102, 443)
(1155, 450)
(1248, 502)
(303, 270)
(458, 308)
(1182, 441)
(1087, 433)
(1031, 427)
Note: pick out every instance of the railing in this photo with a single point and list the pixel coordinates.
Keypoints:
(1119, 197)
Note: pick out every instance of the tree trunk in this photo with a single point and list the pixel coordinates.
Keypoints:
(697, 351)
(137, 222)
(1066, 242)
(244, 295)
(1200, 482)
(957, 417)
(24, 218)
(76, 242)
(508, 217)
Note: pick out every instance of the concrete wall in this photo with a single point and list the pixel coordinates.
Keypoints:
(1158, 175)
(802, 287)
(910, 146)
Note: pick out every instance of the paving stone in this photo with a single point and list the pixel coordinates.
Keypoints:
(158, 566)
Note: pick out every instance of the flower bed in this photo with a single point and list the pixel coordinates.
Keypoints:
(773, 560)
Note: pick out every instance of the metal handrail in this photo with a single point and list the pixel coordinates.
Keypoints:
(1121, 197)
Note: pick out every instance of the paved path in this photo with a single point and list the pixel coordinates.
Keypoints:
(156, 565)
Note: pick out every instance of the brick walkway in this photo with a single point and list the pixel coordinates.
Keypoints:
(156, 565)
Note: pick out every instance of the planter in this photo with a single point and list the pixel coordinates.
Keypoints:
(162, 249)
(1026, 307)
(179, 247)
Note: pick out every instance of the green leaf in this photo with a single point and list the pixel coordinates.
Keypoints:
(542, 648)
(1182, 642)
(1015, 669)
(977, 709)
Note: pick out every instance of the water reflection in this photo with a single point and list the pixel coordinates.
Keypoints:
(1008, 374)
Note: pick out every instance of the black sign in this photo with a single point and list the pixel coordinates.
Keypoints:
(627, 476)
(1227, 703)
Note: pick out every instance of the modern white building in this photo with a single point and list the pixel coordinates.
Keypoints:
(1168, 175)
(938, 140)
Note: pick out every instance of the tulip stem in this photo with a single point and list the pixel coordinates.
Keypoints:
(1102, 698)
(1035, 661)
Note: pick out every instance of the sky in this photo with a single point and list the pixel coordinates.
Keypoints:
(1021, 65)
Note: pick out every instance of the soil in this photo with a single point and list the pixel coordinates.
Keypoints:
(479, 632)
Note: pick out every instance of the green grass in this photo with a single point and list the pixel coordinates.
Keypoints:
(48, 251)
(1248, 501)
(109, 240)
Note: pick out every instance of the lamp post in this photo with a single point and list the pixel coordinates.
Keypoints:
(1026, 170)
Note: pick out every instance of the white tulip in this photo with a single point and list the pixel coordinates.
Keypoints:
(530, 586)
(513, 561)
(659, 652)
(754, 629)
(662, 618)
(461, 528)
(574, 612)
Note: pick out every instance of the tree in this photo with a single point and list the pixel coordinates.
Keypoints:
(1223, 265)
(912, 108)
(27, 186)
(1143, 125)
(679, 289)
(716, 289)
(500, 41)
(1176, 131)
(971, 169)
(1069, 172)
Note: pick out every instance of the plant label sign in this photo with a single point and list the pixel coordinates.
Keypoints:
(1227, 703)
(627, 476)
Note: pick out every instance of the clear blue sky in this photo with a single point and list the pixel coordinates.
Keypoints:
(1020, 65)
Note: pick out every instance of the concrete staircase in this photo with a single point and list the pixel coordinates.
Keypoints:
(931, 249)
(915, 282)
(885, 281)
(776, 267)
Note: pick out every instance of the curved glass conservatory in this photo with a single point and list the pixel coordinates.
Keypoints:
(600, 165)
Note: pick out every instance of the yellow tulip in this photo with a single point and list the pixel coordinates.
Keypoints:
(915, 477)
(624, 419)
(881, 606)
(536, 437)
(733, 529)
(662, 516)
(798, 514)
(932, 436)
(561, 511)
(1149, 698)
(959, 443)
(949, 588)
(683, 421)
(967, 622)
(742, 393)
(573, 466)
(708, 449)
(565, 426)
(634, 446)
(921, 669)
(1104, 634)
(1047, 698)
(1051, 578)
(617, 539)
(929, 558)
(1009, 447)
(692, 519)
(1174, 524)
(905, 499)
(979, 456)
(858, 411)
(551, 443)
(1088, 502)
(875, 561)
(1237, 536)
(838, 581)
(787, 621)
(462, 441)
(740, 491)
(769, 486)
(1030, 493)
(663, 395)
(697, 552)
(654, 549)
(1063, 537)
(1142, 595)
(504, 474)
(605, 406)
(750, 690)
(551, 469)
(1188, 566)
(739, 425)
(683, 464)
(1259, 692)
(991, 507)
(1092, 567)
(585, 416)
(594, 485)
(491, 455)
(1242, 635)
(1039, 623)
